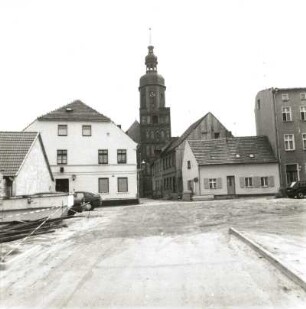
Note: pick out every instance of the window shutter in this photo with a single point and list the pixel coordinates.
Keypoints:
(206, 183)
(271, 181)
(256, 182)
(241, 179)
(219, 183)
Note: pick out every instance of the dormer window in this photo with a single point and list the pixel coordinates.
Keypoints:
(251, 155)
(69, 109)
(237, 155)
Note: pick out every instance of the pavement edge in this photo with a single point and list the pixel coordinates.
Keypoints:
(270, 257)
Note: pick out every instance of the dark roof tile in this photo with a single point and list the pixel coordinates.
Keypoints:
(75, 111)
(235, 150)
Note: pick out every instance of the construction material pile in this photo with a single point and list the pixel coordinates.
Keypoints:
(14, 230)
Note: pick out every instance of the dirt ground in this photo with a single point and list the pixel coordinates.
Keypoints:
(164, 255)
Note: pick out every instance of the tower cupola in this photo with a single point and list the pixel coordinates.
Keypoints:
(151, 60)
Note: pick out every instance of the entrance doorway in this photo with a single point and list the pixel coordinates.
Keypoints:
(62, 185)
(231, 185)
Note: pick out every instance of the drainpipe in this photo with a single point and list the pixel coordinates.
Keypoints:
(200, 193)
(277, 137)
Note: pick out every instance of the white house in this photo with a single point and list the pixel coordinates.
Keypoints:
(88, 152)
(23, 164)
(230, 167)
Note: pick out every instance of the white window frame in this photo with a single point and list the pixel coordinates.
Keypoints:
(285, 97)
(248, 182)
(212, 182)
(86, 130)
(303, 96)
(304, 140)
(264, 182)
(286, 113)
(62, 130)
(289, 142)
(303, 112)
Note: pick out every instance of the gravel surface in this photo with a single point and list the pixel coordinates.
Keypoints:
(159, 254)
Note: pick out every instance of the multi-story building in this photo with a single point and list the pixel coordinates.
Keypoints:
(281, 116)
(155, 122)
(88, 152)
(167, 167)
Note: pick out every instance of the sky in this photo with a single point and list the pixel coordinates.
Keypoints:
(214, 55)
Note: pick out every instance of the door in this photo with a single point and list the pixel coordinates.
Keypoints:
(231, 185)
(62, 185)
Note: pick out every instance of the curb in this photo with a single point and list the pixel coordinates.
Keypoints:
(270, 257)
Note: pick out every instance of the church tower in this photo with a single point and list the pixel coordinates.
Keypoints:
(155, 123)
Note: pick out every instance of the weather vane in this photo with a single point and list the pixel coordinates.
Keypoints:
(150, 36)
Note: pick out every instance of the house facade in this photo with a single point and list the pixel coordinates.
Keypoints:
(88, 152)
(24, 164)
(281, 115)
(167, 167)
(238, 166)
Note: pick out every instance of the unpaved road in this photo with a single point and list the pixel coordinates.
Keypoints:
(164, 255)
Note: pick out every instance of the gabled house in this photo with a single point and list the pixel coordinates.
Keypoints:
(24, 164)
(88, 152)
(230, 167)
(167, 167)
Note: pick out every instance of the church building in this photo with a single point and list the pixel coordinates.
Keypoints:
(155, 122)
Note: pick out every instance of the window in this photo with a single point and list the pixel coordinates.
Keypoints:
(103, 156)
(289, 142)
(303, 96)
(62, 156)
(303, 112)
(188, 164)
(304, 140)
(291, 173)
(121, 156)
(258, 104)
(248, 182)
(216, 135)
(155, 119)
(285, 97)
(62, 130)
(264, 181)
(103, 185)
(86, 130)
(122, 184)
(212, 183)
(286, 111)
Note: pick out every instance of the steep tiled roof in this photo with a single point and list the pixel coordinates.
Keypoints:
(14, 146)
(75, 111)
(134, 132)
(235, 150)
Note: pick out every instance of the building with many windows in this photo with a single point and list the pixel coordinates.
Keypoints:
(237, 166)
(88, 152)
(167, 167)
(281, 115)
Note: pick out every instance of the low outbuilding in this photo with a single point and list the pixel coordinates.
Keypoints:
(24, 164)
(230, 167)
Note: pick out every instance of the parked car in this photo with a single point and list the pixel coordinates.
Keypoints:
(77, 205)
(94, 200)
(297, 189)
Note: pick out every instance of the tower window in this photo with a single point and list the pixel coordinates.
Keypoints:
(155, 119)
(258, 104)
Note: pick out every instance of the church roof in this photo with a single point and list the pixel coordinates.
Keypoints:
(234, 150)
(189, 130)
(75, 111)
(134, 132)
(14, 147)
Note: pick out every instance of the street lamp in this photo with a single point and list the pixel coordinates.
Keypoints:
(139, 171)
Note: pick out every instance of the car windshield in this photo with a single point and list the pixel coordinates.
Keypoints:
(292, 184)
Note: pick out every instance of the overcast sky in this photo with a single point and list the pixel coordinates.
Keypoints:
(214, 55)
